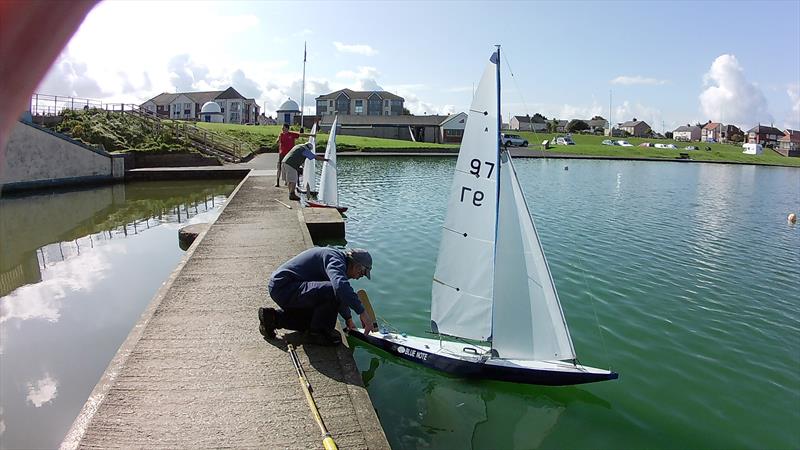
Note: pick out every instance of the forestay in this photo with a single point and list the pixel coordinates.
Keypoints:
(328, 184)
(462, 285)
(310, 166)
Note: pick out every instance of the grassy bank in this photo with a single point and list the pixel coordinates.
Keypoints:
(592, 146)
(266, 136)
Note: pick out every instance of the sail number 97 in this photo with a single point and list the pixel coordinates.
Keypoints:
(477, 196)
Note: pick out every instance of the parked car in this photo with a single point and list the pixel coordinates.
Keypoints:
(672, 146)
(563, 140)
(513, 140)
(624, 144)
(659, 145)
(609, 142)
(647, 144)
(692, 147)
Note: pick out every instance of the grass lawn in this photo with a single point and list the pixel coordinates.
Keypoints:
(592, 146)
(266, 136)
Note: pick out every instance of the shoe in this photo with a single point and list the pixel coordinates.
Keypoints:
(277, 185)
(328, 338)
(294, 197)
(266, 320)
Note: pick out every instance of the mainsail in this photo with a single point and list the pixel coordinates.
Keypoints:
(310, 166)
(461, 302)
(328, 185)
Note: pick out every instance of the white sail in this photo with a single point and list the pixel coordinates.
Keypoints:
(328, 187)
(528, 322)
(310, 166)
(461, 303)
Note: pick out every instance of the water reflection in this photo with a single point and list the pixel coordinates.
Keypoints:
(77, 268)
(457, 413)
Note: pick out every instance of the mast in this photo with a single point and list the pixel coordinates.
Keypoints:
(497, 177)
(303, 87)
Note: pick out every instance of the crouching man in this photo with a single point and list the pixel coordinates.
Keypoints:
(311, 289)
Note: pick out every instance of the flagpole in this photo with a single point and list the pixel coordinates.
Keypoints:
(303, 88)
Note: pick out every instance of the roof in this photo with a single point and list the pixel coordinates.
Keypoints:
(689, 128)
(211, 107)
(289, 105)
(405, 120)
(230, 93)
(763, 129)
(201, 97)
(711, 125)
(790, 136)
(633, 123)
(164, 98)
(360, 95)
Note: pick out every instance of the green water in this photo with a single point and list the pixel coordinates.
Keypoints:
(77, 268)
(684, 278)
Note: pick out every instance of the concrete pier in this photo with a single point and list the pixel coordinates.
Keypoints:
(195, 372)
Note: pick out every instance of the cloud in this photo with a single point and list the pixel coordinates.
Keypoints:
(42, 391)
(793, 121)
(364, 78)
(729, 97)
(637, 79)
(244, 85)
(185, 74)
(69, 77)
(361, 49)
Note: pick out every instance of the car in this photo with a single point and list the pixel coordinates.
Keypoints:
(609, 142)
(563, 140)
(661, 145)
(672, 146)
(692, 147)
(624, 144)
(513, 140)
(647, 144)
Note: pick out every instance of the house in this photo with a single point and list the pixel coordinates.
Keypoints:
(597, 125)
(234, 107)
(427, 128)
(360, 103)
(526, 123)
(287, 112)
(717, 132)
(789, 143)
(687, 133)
(637, 128)
(764, 135)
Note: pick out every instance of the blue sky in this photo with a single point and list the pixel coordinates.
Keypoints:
(666, 62)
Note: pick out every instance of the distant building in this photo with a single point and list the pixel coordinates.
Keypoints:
(717, 132)
(526, 123)
(637, 128)
(211, 112)
(764, 135)
(789, 144)
(428, 128)
(687, 133)
(360, 103)
(234, 107)
(287, 112)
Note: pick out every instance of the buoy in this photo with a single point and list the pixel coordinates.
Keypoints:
(792, 219)
(566, 167)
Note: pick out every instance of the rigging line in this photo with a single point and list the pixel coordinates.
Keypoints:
(524, 103)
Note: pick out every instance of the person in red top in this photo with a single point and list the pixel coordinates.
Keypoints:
(285, 143)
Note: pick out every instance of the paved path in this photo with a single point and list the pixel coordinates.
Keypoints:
(196, 373)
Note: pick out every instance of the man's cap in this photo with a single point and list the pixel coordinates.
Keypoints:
(362, 257)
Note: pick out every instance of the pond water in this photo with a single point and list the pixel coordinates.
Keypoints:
(684, 278)
(77, 269)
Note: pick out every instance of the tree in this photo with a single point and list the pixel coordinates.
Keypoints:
(576, 125)
(598, 118)
(405, 112)
(552, 126)
(539, 118)
(668, 134)
(736, 138)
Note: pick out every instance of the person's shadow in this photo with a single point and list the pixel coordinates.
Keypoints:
(336, 363)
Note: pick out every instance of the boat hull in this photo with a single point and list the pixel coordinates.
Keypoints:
(455, 358)
(313, 204)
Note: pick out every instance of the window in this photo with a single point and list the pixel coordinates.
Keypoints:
(343, 104)
(235, 117)
(235, 107)
(359, 106)
(374, 106)
(397, 107)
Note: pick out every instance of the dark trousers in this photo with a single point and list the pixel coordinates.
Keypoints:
(280, 162)
(305, 305)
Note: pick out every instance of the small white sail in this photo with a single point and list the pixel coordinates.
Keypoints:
(528, 322)
(328, 185)
(310, 166)
(461, 302)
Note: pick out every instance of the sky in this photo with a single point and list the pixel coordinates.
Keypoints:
(668, 63)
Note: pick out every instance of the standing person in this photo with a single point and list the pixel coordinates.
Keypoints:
(285, 142)
(292, 162)
(311, 288)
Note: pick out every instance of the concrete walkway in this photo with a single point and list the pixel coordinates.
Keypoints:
(196, 373)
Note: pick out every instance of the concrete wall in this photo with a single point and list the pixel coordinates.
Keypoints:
(37, 157)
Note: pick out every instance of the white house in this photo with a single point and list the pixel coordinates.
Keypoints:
(687, 133)
(453, 127)
(234, 107)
